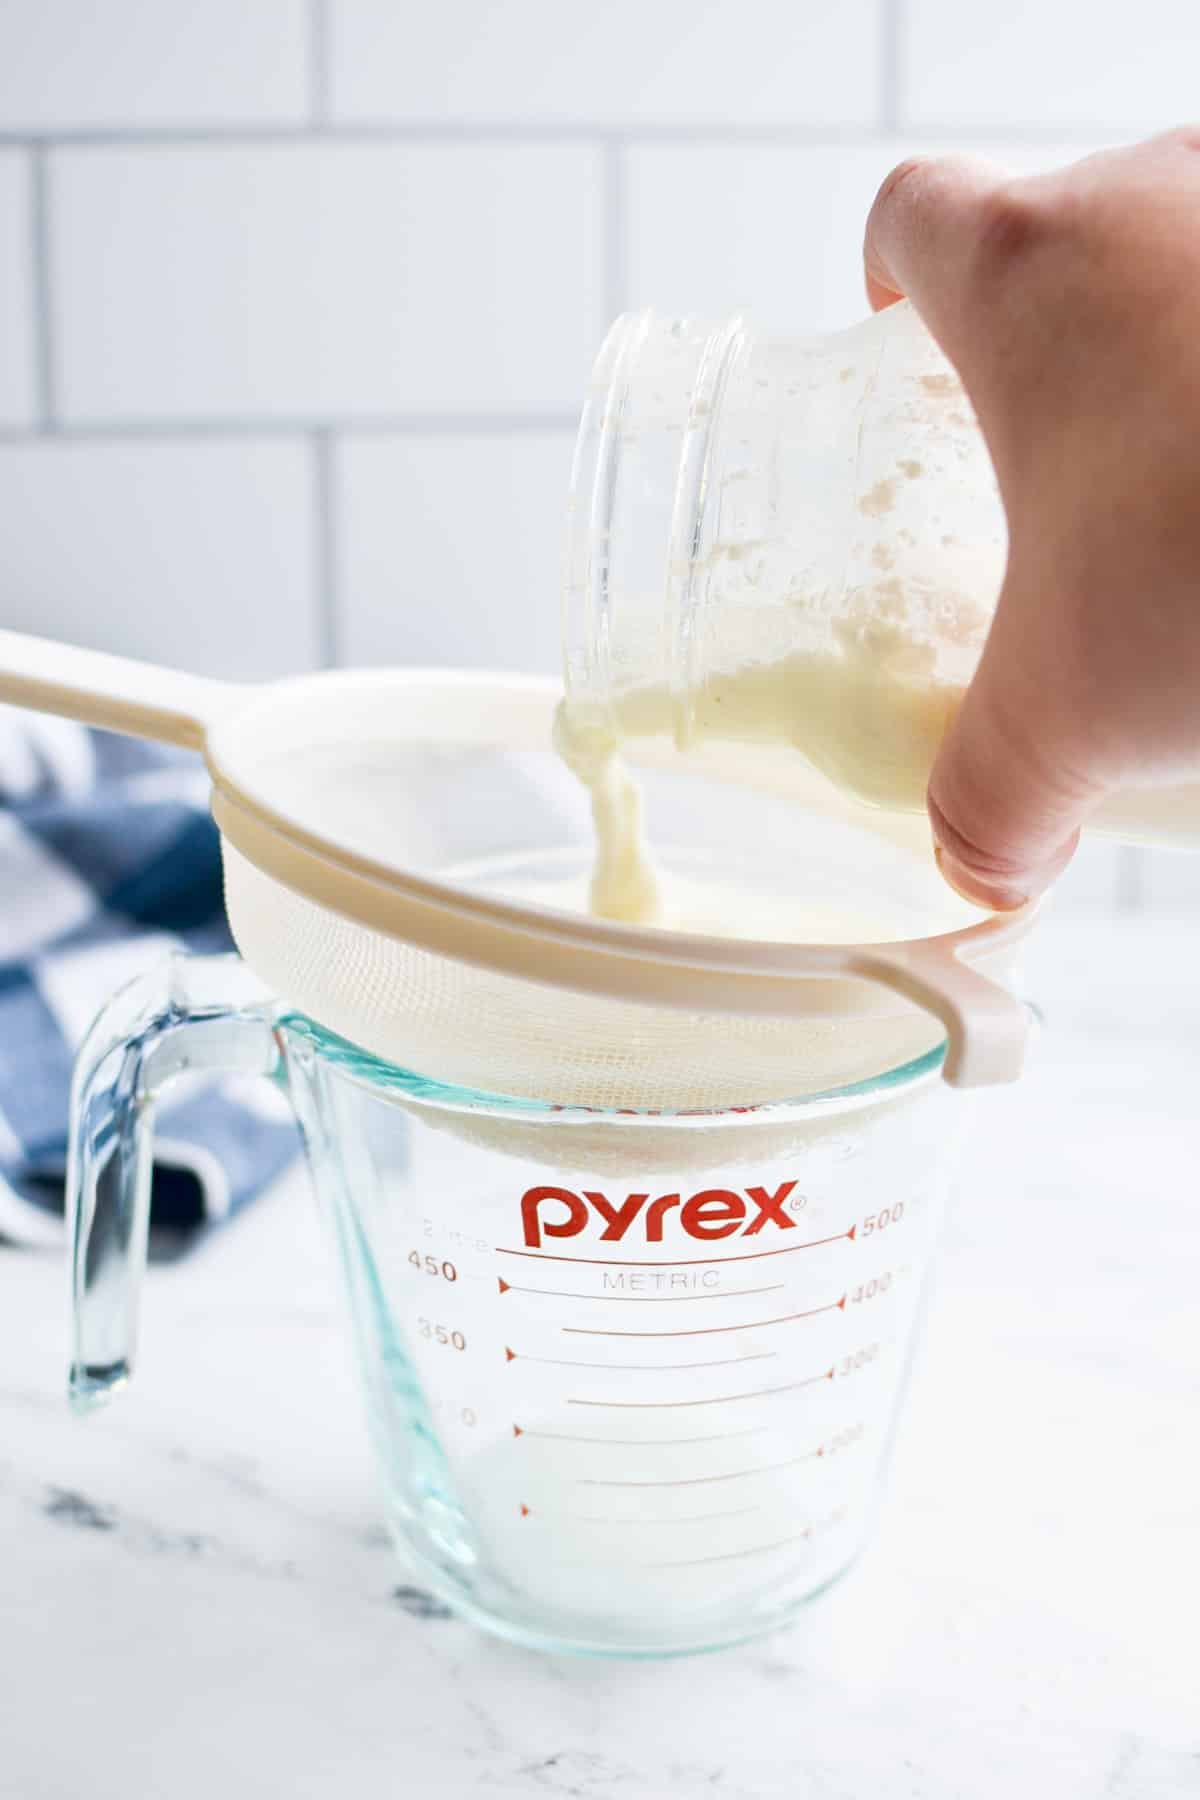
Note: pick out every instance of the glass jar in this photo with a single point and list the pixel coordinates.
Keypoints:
(784, 555)
(786, 542)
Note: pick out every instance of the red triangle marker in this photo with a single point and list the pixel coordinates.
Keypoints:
(524, 1511)
(509, 1355)
(842, 1304)
(503, 1284)
(828, 1375)
(516, 1431)
(851, 1232)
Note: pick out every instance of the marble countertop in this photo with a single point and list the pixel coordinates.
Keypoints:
(197, 1598)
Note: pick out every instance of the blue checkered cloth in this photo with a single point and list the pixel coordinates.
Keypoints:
(108, 862)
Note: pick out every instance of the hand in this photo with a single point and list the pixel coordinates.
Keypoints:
(1070, 305)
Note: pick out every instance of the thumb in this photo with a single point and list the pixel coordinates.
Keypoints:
(1010, 787)
(922, 239)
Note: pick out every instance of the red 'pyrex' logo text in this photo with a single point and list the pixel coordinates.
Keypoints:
(555, 1212)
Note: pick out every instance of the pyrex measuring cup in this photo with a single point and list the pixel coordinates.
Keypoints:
(631, 1378)
(632, 1222)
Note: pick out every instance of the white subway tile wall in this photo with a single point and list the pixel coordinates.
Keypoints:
(196, 553)
(774, 230)
(309, 279)
(1050, 65)
(673, 62)
(121, 63)
(1171, 883)
(297, 298)
(465, 571)
(16, 291)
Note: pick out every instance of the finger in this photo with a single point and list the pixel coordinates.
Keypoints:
(922, 233)
(1011, 784)
(879, 294)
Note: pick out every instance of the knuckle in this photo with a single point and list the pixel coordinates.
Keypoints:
(990, 861)
(1182, 137)
(913, 187)
(1014, 222)
(910, 170)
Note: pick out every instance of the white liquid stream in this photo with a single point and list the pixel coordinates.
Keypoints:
(868, 716)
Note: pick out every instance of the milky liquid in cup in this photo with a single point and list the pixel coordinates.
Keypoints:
(655, 1473)
(691, 1435)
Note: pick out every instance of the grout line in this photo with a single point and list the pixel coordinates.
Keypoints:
(616, 213)
(43, 317)
(349, 424)
(1129, 891)
(325, 548)
(894, 22)
(498, 131)
(319, 68)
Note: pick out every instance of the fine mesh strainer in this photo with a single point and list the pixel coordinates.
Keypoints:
(398, 848)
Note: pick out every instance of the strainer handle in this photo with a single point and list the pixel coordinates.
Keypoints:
(987, 1027)
(113, 692)
(191, 1013)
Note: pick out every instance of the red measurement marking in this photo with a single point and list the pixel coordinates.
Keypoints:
(511, 1287)
(570, 1437)
(680, 1262)
(709, 1330)
(524, 1511)
(716, 1400)
(509, 1355)
(706, 1480)
(558, 1362)
(676, 1519)
(694, 1562)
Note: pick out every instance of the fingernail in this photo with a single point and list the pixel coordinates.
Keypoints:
(994, 896)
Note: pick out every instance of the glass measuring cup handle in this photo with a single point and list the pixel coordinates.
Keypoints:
(189, 1014)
